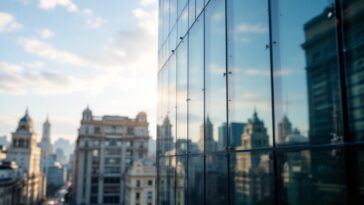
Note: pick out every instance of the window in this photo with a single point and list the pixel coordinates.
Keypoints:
(138, 183)
(149, 195)
(137, 195)
(150, 182)
(215, 74)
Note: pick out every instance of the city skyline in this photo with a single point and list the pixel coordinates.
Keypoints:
(57, 69)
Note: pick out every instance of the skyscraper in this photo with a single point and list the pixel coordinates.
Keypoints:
(45, 143)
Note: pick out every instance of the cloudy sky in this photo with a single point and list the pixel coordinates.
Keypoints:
(58, 56)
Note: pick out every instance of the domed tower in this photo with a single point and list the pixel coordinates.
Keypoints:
(24, 140)
(87, 114)
(141, 117)
(26, 153)
(24, 136)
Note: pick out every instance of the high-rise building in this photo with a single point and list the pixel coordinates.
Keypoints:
(140, 183)
(235, 131)
(57, 174)
(299, 64)
(26, 153)
(66, 145)
(45, 143)
(106, 146)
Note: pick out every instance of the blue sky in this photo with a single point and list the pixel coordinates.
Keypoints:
(58, 56)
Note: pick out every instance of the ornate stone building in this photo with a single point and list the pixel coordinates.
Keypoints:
(140, 183)
(106, 146)
(26, 153)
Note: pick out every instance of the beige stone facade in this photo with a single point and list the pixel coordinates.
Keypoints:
(140, 183)
(106, 146)
(26, 153)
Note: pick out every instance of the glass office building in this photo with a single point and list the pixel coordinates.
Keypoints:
(260, 102)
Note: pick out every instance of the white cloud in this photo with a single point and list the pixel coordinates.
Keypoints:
(35, 64)
(8, 23)
(46, 33)
(19, 80)
(95, 22)
(148, 2)
(51, 4)
(250, 28)
(147, 20)
(92, 20)
(42, 49)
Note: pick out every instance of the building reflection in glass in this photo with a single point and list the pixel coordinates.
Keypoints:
(181, 180)
(166, 181)
(306, 72)
(305, 182)
(353, 33)
(248, 61)
(196, 180)
(216, 179)
(274, 110)
(251, 178)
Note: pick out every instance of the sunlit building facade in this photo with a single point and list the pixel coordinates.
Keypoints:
(260, 102)
(105, 148)
(24, 151)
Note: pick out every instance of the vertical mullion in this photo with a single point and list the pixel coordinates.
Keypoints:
(202, 14)
(227, 151)
(274, 157)
(187, 101)
(351, 158)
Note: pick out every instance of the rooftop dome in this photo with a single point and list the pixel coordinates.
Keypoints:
(26, 122)
(26, 117)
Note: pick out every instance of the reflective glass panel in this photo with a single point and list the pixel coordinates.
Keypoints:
(199, 6)
(196, 87)
(312, 177)
(181, 141)
(181, 5)
(165, 129)
(250, 107)
(251, 178)
(306, 77)
(166, 181)
(191, 12)
(172, 96)
(354, 60)
(215, 73)
(196, 180)
(216, 179)
(181, 180)
(172, 12)
(182, 24)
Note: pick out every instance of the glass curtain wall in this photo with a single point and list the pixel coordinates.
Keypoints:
(260, 102)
